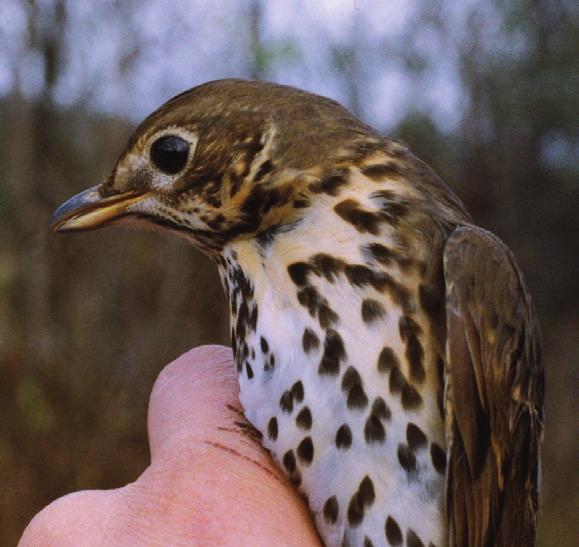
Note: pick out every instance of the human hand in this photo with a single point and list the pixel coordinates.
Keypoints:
(209, 483)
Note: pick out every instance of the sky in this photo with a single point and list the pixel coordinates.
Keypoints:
(126, 58)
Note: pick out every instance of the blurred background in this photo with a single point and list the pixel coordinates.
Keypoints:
(484, 91)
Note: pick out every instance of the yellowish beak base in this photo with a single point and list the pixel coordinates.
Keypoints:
(88, 210)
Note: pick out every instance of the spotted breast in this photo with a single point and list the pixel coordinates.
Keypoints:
(334, 330)
(386, 348)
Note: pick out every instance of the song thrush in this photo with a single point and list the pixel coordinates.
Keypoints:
(386, 347)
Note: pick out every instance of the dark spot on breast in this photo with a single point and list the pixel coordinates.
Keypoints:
(415, 437)
(304, 418)
(253, 317)
(438, 458)
(387, 360)
(364, 221)
(361, 500)
(309, 298)
(396, 381)
(374, 431)
(286, 403)
(368, 542)
(344, 437)
(334, 353)
(359, 275)
(372, 310)
(406, 457)
(392, 207)
(297, 391)
(298, 272)
(380, 409)
(412, 540)
(296, 478)
(357, 397)
(411, 399)
(407, 326)
(393, 532)
(414, 355)
(249, 370)
(355, 511)
(331, 510)
(289, 461)
(326, 316)
(272, 428)
(242, 319)
(352, 384)
(327, 266)
(243, 352)
(264, 345)
(366, 491)
(331, 183)
(399, 293)
(318, 306)
(350, 378)
(380, 253)
(310, 341)
(306, 450)
(386, 256)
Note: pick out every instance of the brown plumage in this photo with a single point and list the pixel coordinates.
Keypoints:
(494, 394)
(385, 346)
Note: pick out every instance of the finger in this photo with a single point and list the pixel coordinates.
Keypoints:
(195, 394)
(195, 424)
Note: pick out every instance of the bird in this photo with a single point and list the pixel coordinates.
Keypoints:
(386, 347)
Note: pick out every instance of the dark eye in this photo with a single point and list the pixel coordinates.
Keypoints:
(169, 154)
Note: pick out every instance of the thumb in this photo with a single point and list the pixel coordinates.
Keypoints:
(210, 481)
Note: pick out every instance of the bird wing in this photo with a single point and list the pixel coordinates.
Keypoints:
(493, 394)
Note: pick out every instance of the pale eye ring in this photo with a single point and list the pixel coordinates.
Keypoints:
(169, 154)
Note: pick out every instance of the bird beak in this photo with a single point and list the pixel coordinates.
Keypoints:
(89, 210)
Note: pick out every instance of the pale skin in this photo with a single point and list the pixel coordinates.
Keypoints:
(208, 483)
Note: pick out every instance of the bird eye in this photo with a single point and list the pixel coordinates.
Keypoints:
(169, 154)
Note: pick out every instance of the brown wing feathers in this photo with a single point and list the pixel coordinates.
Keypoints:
(494, 394)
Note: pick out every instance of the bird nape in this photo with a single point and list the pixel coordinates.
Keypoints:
(385, 347)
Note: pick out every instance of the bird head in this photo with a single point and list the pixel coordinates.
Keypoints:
(228, 159)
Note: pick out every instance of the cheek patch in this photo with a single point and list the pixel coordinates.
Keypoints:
(161, 182)
(125, 173)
